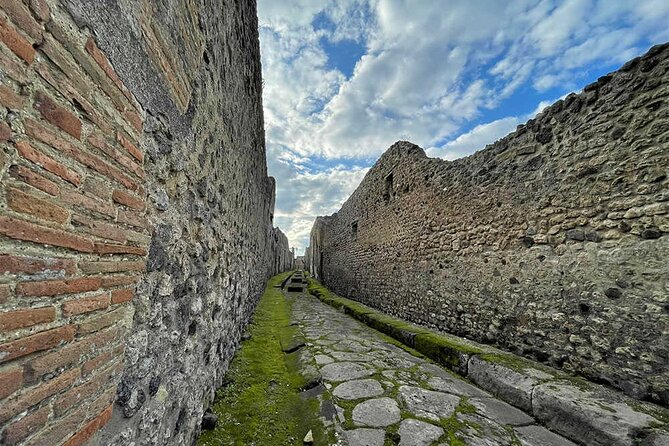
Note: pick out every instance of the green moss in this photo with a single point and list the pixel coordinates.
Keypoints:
(657, 412)
(443, 350)
(262, 404)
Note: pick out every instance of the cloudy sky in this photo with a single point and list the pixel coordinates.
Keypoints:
(344, 79)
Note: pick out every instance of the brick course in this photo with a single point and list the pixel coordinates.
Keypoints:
(67, 173)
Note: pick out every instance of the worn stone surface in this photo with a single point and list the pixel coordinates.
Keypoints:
(591, 417)
(550, 243)
(418, 433)
(402, 398)
(539, 436)
(353, 390)
(365, 437)
(379, 412)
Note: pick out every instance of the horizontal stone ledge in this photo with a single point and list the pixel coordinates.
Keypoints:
(587, 413)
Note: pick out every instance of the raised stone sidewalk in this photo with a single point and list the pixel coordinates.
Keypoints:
(386, 393)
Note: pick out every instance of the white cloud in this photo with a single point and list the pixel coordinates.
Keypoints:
(429, 69)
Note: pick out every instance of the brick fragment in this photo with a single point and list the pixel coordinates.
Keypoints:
(85, 305)
(128, 200)
(34, 179)
(132, 218)
(15, 41)
(101, 360)
(10, 99)
(115, 266)
(98, 228)
(57, 115)
(41, 9)
(13, 69)
(118, 280)
(11, 380)
(25, 203)
(20, 15)
(22, 230)
(35, 130)
(90, 428)
(103, 380)
(105, 248)
(35, 343)
(135, 120)
(97, 187)
(11, 264)
(57, 287)
(24, 427)
(99, 322)
(37, 394)
(97, 141)
(61, 83)
(121, 296)
(11, 320)
(76, 198)
(70, 354)
(6, 293)
(31, 154)
(130, 147)
(5, 131)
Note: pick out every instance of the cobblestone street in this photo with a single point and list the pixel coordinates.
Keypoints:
(385, 395)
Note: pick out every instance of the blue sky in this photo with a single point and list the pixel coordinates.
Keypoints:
(345, 79)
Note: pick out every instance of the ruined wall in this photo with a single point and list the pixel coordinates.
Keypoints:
(135, 214)
(551, 242)
(283, 257)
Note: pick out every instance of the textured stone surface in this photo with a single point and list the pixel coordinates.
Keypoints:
(511, 385)
(343, 371)
(418, 433)
(379, 412)
(353, 390)
(365, 437)
(591, 417)
(539, 436)
(403, 388)
(501, 411)
(550, 243)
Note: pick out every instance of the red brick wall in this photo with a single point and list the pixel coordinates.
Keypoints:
(73, 234)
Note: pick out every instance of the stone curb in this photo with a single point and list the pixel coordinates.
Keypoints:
(586, 413)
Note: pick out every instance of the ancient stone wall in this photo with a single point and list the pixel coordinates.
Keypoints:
(283, 257)
(135, 214)
(551, 242)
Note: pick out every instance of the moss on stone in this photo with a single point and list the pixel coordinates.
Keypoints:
(262, 404)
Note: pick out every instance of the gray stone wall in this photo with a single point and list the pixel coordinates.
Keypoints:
(194, 66)
(551, 243)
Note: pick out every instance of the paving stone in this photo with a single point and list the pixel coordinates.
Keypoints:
(539, 436)
(511, 385)
(362, 388)
(501, 412)
(348, 356)
(323, 359)
(344, 371)
(595, 416)
(365, 437)
(481, 431)
(428, 403)
(418, 433)
(379, 412)
(456, 386)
